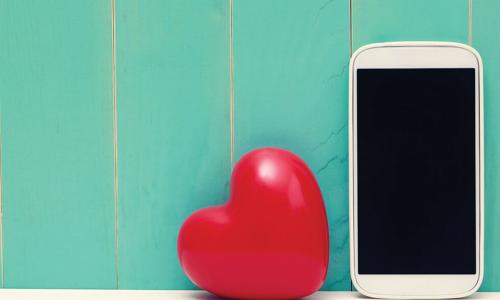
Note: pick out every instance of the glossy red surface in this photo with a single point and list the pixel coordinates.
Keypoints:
(269, 241)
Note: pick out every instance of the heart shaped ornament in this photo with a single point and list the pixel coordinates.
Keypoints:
(269, 241)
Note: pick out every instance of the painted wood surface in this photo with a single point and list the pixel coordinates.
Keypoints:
(173, 122)
(407, 20)
(57, 142)
(290, 65)
(486, 39)
(173, 129)
(165, 295)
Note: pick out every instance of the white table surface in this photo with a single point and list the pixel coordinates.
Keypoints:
(15, 294)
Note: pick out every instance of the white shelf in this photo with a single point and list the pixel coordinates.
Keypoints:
(17, 294)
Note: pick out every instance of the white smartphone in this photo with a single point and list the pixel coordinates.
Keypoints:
(416, 170)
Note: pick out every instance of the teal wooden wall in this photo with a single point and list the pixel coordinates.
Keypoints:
(120, 118)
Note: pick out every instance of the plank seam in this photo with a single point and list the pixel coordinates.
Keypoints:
(469, 35)
(231, 81)
(115, 137)
(350, 55)
(1, 205)
(350, 28)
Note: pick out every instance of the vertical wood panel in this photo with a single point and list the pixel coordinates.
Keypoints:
(408, 20)
(56, 97)
(173, 129)
(486, 39)
(291, 60)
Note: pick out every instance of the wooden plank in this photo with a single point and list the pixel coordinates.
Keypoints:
(408, 20)
(486, 39)
(291, 61)
(164, 295)
(173, 129)
(57, 137)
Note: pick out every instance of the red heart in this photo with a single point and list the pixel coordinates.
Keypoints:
(269, 241)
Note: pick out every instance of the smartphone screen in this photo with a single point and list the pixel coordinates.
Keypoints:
(416, 165)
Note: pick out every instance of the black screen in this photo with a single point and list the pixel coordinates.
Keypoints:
(416, 171)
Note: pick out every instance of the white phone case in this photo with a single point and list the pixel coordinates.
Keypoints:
(412, 292)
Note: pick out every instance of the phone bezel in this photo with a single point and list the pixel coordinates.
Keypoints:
(417, 55)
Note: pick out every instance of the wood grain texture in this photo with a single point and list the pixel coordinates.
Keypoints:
(173, 129)
(56, 98)
(291, 61)
(291, 72)
(408, 20)
(486, 39)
